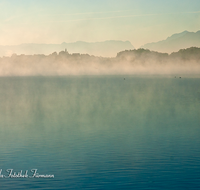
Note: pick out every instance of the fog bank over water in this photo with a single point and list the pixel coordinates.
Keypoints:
(133, 62)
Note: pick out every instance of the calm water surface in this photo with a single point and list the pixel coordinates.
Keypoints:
(101, 132)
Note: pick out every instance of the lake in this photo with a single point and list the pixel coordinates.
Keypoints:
(101, 132)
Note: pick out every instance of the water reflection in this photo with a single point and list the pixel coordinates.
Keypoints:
(101, 132)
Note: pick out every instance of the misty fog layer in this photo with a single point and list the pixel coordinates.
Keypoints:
(186, 61)
(31, 103)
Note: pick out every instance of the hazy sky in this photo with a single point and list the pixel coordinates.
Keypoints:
(57, 21)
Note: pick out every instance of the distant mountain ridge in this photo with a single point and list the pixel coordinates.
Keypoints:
(107, 48)
(175, 42)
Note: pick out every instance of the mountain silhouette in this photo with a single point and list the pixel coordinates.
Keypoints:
(175, 42)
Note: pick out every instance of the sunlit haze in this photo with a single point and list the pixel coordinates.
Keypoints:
(57, 21)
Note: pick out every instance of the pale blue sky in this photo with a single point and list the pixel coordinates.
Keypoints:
(56, 21)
